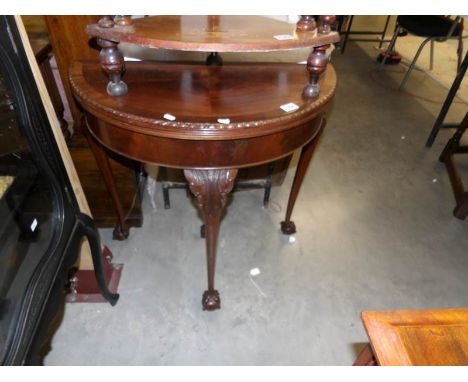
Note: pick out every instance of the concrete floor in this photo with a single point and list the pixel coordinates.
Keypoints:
(375, 231)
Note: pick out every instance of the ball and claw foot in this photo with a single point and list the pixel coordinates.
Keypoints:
(211, 300)
(117, 88)
(120, 233)
(288, 227)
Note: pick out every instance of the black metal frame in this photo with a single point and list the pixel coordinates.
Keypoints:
(45, 288)
(439, 123)
(348, 32)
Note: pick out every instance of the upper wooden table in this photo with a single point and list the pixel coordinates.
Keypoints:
(208, 120)
(213, 34)
(418, 337)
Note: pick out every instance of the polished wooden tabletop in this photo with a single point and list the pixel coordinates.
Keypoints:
(213, 34)
(231, 101)
(418, 337)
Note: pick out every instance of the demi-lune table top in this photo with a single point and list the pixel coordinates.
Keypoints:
(201, 102)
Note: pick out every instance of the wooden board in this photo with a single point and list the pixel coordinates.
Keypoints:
(418, 337)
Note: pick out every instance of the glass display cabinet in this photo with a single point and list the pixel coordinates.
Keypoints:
(41, 226)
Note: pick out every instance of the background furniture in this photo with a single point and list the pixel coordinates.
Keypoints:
(70, 42)
(416, 338)
(439, 123)
(453, 147)
(42, 223)
(348, 21)
(433, 29)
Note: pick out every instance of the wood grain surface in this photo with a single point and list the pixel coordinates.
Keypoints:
(213, 34)
(418, 337)
(249, 95)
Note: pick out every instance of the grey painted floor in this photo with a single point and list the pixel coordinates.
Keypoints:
(375, 231)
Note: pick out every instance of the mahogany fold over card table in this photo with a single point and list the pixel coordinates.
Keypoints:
(209, 121)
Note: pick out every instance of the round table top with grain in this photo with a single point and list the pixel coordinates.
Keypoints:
(187, 115)
(213, 34)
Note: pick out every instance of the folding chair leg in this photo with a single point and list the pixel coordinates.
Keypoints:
(459, 53)
(431, 57)
(390, 47)
(346, 35)
(384, 32)
(403, 83)
(448, 101)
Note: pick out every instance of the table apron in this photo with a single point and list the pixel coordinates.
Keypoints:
(203, 154)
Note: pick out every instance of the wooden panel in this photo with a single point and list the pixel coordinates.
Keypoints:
(419, 337)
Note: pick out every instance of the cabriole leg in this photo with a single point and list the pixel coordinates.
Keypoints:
(211, 188)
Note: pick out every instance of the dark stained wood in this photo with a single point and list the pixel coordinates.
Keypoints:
(112, 62)
(317, 63)
(121, 229)
(366, 357)
(325, 24)
(250, 96)
(306, 24)
(211, 188)
(123, 21)
(125, 173)
(70, 42)
(418, 337)
(210, 152)
(213, 34)
(287, 226)
(37, 33)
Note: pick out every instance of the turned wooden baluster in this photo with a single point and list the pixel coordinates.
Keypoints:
(112, 60)
(211, 188)
(123, 21)
(325, 23)
(306, 24)
(318, 59)
(287, 226)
